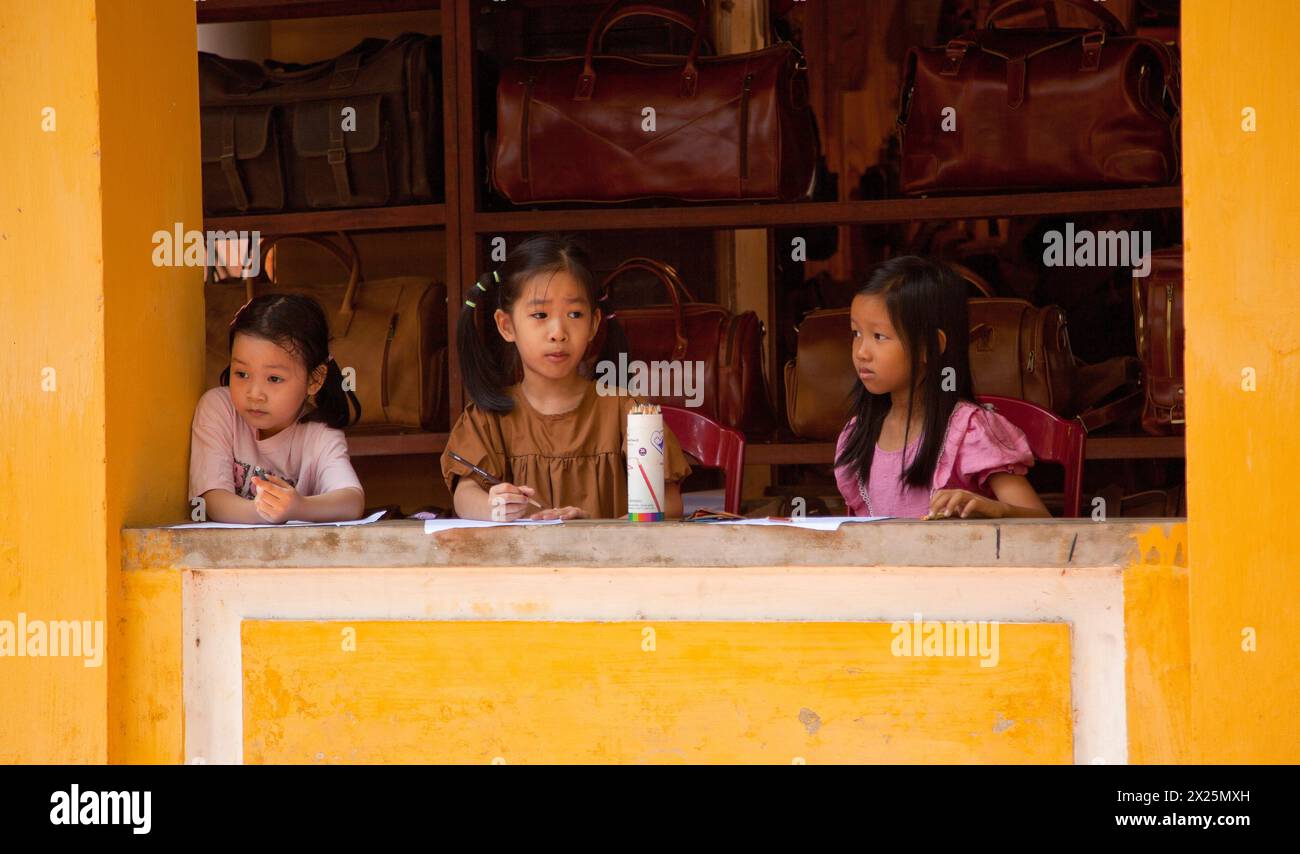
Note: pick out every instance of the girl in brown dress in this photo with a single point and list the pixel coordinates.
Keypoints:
(535, 421)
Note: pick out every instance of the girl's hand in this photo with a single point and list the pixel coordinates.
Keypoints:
(561, 513)
(509, 502)
(276, 500)
(965, 505)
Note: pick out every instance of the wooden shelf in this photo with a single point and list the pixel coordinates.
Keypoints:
(398, 444)
(225, 11)
(351, 219)
(831, 213)
(1098, 448)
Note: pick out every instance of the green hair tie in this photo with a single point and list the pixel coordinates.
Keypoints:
(470, 303)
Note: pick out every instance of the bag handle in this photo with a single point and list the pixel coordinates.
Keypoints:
(1106, 18)
(671, 282)
(652, 11)
(690, 74)
(349, 259)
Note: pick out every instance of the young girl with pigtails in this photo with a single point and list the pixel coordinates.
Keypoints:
(269, 447)
(535, 422)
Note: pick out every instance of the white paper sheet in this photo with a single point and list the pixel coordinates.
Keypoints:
(812, 523)
(437, 526)
(373, 517)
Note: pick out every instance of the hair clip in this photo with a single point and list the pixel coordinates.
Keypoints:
(495, 277)
(470, 303)
(479, 285)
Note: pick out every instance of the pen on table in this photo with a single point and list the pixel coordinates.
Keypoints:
(492, 479)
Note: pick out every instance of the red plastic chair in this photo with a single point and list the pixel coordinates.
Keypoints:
(713, 445)
(1052, 438)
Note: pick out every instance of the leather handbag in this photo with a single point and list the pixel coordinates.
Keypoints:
(580, 128)
(392, 333)
(727, 347)
(1017, 350)
(361, 129)
(1158, 322)
(1053, 108)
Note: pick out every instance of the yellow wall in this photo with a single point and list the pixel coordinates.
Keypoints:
(108, 444)
(1242, 221)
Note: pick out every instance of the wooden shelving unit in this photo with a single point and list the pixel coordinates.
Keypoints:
(469, 224)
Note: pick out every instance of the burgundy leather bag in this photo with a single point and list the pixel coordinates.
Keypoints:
(728, 346)
(575, 129)
(1158, 318)
(1053, 108)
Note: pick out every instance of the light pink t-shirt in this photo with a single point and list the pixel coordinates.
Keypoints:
(979, 443)
(312, 457)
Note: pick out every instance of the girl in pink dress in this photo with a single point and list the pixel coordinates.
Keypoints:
(918, 444)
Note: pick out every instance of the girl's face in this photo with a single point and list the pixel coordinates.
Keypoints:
(878, 353)
(551, 323)
(268, 384)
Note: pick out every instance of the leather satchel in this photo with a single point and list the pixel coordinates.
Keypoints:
(1158, 322)
(579, 128)
(391, 332)
(728, 347)
(1053, 108)
(362, 129)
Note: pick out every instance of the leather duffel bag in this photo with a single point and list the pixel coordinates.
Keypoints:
(362, 129)
(1052, 108)
(728, 347)
(1158, 321)
(391, 332)
(578, 129)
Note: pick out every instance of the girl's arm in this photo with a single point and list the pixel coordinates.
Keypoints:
(673, 508)
(278, 502)
(1015, 499)
(222, 505)
(504, 502)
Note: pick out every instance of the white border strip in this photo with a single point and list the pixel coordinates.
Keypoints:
(1090, 599)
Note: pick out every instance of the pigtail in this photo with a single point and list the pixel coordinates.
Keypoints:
(335, 404)
(481, 365)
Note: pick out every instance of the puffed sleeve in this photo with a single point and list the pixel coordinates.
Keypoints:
(212, 443)
(991, 444)
(473, 438)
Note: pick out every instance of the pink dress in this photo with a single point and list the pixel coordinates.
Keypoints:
(979, 443)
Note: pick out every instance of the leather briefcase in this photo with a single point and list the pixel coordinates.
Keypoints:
(1053, 108)
(1158, 321)
(391, 332)
(612, 128)
(362, 129)
(728, 347)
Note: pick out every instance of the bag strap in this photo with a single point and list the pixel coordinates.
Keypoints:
(652, 11)
(690, 74)
(349, 259)
(671, 283)
(1094, 382)
(229, 168)
(1106, 18)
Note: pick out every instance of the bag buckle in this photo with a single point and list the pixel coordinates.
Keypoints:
(1092, 43)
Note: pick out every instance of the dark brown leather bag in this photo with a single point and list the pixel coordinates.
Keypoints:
(391, 332)
(1158, 321)
(1040, 108)
(736, 127)
(279, 134)
(730, 347)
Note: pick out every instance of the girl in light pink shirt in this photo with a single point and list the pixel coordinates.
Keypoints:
(918, 444)
(269, 447)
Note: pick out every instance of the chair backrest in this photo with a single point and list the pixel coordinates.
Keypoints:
(1051, 438)
(713, 445)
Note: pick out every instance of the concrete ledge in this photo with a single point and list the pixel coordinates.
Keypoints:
(1001, 543)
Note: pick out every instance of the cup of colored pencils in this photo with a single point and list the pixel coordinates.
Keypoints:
(645, 463)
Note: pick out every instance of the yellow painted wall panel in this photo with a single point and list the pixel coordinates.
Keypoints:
(147, 725)
(563, 692)
(1242, 224)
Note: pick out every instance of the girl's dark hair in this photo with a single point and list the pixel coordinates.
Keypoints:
(922, 297)
(488, 363)
(298, 324)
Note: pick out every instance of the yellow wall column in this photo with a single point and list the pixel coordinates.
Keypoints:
(102, 357)
(1242, 219)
